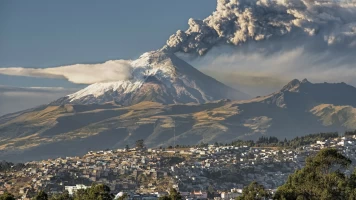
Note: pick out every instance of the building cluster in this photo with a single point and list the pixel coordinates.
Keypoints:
(219, 172)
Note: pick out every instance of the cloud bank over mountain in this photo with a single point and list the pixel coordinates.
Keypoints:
(111, 70)
(259, 74)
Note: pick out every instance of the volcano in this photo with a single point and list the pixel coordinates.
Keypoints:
(158, 77)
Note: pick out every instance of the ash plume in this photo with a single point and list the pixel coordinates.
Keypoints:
(236, 22)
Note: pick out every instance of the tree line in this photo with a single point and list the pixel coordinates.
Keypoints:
(350, 133)
(263, 141)
(9, 166)
(95, 192)
(272, 141)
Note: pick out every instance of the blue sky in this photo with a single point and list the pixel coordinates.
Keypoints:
(44, 33)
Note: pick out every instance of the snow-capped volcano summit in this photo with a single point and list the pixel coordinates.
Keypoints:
(156, 76)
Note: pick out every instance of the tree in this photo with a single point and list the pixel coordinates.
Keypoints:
(41, 195)
(142, 178)
(254, 191)
(211, 192)
(351, 187)
(18, 166)
(123, 197)
(63, 196)
(320, 179)
(5, 166)
(7, 196)
(140, 144)
(101, 192)
(164, 198)
(173, 195)
(95, 192)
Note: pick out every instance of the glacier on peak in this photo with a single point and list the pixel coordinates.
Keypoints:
(156, 76)
(142, 68)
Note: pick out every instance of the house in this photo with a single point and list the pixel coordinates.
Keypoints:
(199, 194)
(229, 195)
(72, 189)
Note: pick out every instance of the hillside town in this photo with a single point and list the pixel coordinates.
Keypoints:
(201, 172)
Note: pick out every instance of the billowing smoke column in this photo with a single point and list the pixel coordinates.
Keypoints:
(239, 21)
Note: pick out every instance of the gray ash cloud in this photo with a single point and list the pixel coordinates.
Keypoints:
(236, 22)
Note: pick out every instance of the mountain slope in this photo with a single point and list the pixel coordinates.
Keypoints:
(159, 77)
(304, 95)
(59, 130)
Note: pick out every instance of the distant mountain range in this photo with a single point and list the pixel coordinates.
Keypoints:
(168, 94)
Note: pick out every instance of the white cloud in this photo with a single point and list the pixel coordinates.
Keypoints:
(112, 70)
